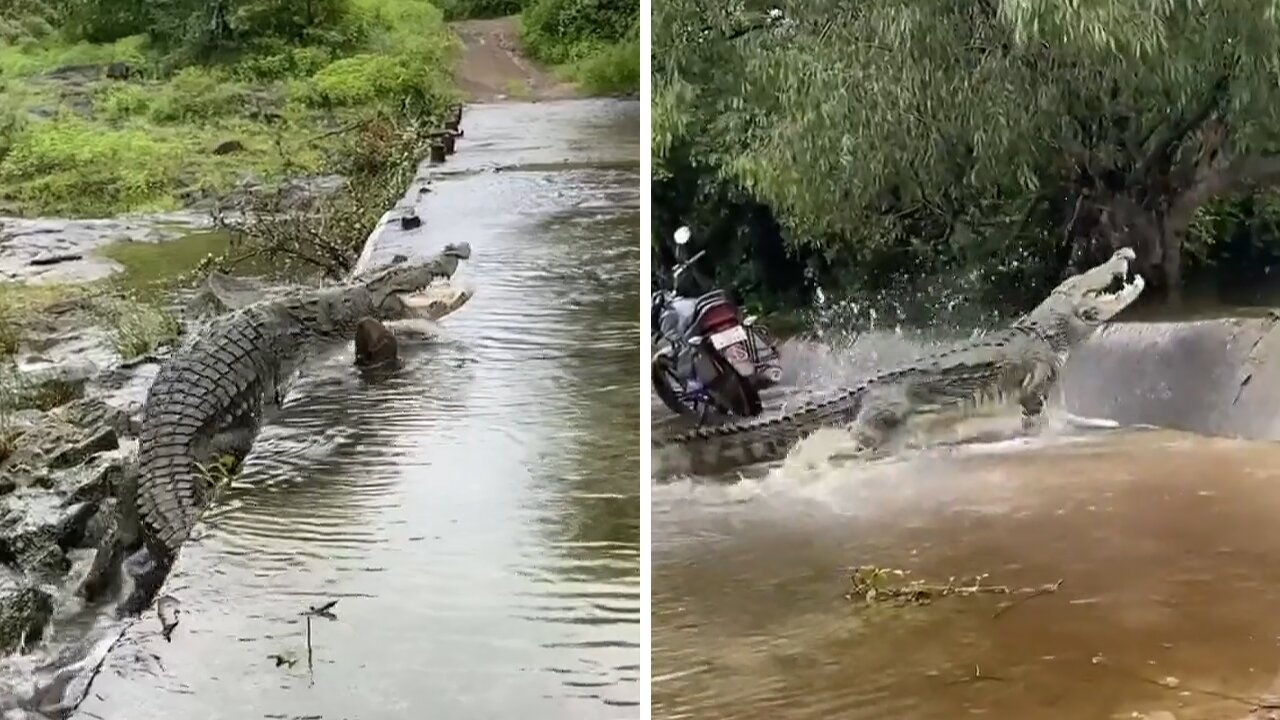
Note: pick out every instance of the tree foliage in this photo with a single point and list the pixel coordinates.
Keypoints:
(202, 27)
(919, 136)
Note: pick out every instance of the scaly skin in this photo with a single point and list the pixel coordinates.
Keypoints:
(207, 401)
(1014, 366)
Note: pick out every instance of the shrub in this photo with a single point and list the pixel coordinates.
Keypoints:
(118, 102)
(196, 94)
(611, 69)
(566, 31)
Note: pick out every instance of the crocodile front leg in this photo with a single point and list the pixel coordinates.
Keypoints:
(881, 420)
(1035, 394)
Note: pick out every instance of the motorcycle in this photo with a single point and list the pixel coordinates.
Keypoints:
(707, 356)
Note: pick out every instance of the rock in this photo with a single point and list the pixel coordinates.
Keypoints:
(24, 613)
(410, 221)
(49, 385)
(35, 530)
(96, 482)
(94, 413)
(119, 71)
(103, 439)
(69, 436)
(375, 345)
(100, 526)
(228, 147)
(54, 259)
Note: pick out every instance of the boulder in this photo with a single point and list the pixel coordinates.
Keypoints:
(36, 529)
(24, 614)
(228, 147)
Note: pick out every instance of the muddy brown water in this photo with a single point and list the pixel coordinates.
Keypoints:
(476, 516)
(1165, 542)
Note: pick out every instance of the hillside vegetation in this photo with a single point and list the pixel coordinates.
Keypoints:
(111, 106)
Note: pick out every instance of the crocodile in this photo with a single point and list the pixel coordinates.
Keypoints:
(207, 401)
(1015, 366)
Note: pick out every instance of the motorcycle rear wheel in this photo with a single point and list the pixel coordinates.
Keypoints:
(730, 393)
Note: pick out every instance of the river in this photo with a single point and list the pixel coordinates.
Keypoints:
(476, 516)
(1165, 542)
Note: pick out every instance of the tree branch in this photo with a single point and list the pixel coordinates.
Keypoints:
(1174, 134)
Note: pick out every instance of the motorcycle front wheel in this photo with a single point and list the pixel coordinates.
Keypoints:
(728, 394)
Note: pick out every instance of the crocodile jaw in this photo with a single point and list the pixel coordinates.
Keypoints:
(434, 301)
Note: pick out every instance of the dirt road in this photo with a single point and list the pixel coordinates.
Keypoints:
(492, 69)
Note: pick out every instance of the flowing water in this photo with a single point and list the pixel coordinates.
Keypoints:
(476, 516)
(1166, 544)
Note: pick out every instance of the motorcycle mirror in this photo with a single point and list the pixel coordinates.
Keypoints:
(682, 235)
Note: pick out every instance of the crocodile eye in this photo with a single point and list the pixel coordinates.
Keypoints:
(1090, 314)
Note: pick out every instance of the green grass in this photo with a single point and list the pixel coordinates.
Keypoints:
(89, 147)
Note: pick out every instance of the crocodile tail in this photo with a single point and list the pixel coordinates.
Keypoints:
(170, 497)
(764, 439)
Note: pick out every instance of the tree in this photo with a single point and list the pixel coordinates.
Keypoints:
(1006, 131)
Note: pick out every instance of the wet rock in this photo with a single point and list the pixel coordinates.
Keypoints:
(103, 439)
(228, 147)
(100, 526)
(24, 615)
(48, 385)
(94, 413)
(35, 530)
(21, 421)
(375, 345)
(68, 437)
(95, 482)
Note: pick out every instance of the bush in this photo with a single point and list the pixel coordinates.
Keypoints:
(567, 31)
(611, 69)
(119, 102)
(289, 63)
(195, 94)
(136, 327)
(366, 79)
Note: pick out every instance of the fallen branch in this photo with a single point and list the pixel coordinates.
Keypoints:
(872, 584)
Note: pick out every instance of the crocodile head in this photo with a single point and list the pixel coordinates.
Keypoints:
(1082, 303)
(412, 289)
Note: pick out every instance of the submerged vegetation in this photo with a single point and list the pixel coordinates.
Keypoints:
(980, 149)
